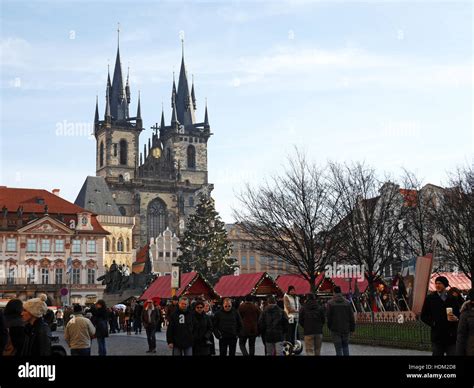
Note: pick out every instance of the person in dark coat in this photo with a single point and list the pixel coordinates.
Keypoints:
(180, 332)
(441, 311)
(227, 325)
(15, 325)
(137, 318)
(99, 320)
(208, 311)
(171, 308)
(341, 321)
(150, 321)
(312, 318)
(37, 332)
(465, 334)
(273, 326)
(202, 331)
(249, 313)
(3, 333)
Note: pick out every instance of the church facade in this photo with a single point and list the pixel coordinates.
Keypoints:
(159, 186)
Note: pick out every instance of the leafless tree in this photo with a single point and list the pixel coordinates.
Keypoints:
(417, 228)
(291, 218)
(454, 220)
(369, 214)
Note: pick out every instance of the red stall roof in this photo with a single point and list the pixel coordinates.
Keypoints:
(455, 279)
(246, 284)
(298, 281)
(192, 283)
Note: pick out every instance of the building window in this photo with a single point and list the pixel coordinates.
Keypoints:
(252, 261)
(76, 246)
(123, 151)
(115, 149)
(31, 245)
(59, 246)
(167, 254)
(11, 244)
(122, 210)
(157, 219)
(76, 275)
(128, 244)
(175, 254)
(107, 244)
(11, 275)
(59, 276)
(191, 156)
(244, 261)
(45, 245)
(160, 254)
(30, 275)
(101, 154)
(191, 201)
(44, 276)
(90, 276)
(120, 245)
(91, 246)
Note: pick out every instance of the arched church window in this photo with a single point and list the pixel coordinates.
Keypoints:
(120, 178)
(122, 211)
(101, 154)
(123, 151)
(191, 156)
(120, 245)
(157, 218)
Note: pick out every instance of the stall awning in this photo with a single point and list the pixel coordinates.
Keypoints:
(456, 279)
(192, 283)
(298, 281)
(259, 283)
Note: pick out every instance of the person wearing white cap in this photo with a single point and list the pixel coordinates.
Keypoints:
(37, 340)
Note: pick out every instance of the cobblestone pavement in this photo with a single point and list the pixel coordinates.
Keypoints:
(121, 344)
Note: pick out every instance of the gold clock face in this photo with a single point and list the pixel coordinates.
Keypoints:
(156, 152)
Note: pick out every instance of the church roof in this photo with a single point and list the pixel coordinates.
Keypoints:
(96, 197)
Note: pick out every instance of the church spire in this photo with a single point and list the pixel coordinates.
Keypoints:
(193, 97)
(183, 99)
(127, 86)
(162, 124)
(206, 118)
(174, 116)
(173, 92)
(107, 106)
(117, 92)
(139, 111)
(96, 117)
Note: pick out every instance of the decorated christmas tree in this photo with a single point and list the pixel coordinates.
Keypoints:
(204, 246)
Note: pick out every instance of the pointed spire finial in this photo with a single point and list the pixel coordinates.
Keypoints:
(118, 34)
(139, 111)
(193, 96)
(96, 117)
(107, 106)
(162, 124)
(206, 117)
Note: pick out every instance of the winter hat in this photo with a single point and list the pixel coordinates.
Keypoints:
(442, 279)
(36, 306)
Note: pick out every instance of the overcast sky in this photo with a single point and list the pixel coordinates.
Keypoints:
(389, 83)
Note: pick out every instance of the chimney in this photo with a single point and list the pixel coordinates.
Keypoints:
(56, 192)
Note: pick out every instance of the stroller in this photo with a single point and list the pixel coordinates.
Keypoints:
(290, 349)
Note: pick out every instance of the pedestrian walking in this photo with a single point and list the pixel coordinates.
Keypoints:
(79, 333)
(100, 316)
(249, 314)
(37, 333)
(312, 318)
(202, 330)
(180, 331)
(150, 321)
(273, 325)
(15, 326)
(341, 321)
(465, 334)
(171, 308)
(227, 325)
(441, 312)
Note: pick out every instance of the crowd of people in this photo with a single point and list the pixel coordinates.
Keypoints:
(198, 326)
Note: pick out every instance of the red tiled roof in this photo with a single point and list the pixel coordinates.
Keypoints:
(161, 287)
(242, 285)
(12, 198)
(455, 279)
